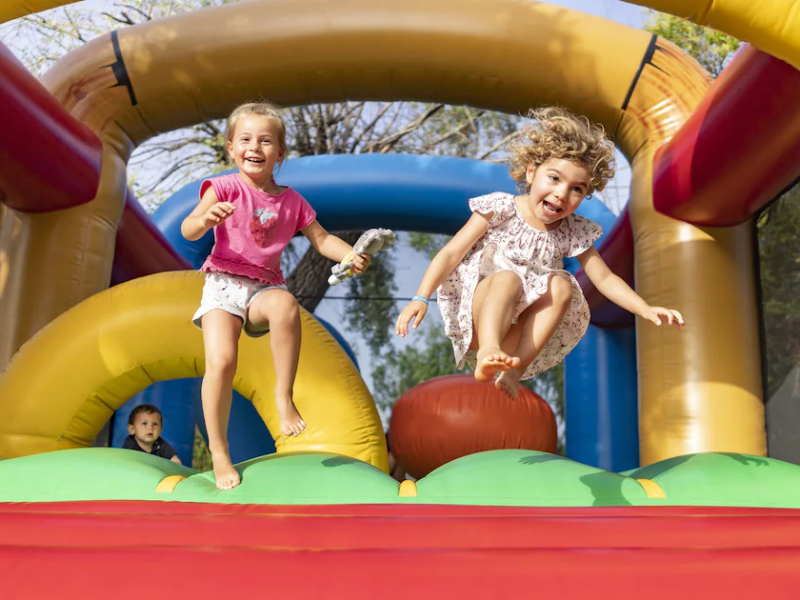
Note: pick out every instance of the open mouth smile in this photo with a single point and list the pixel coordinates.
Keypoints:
(551, 209)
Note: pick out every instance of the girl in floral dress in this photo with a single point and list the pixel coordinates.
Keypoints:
(509, 307)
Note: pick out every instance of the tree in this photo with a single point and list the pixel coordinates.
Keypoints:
(711, 48)
(777, 226)
(779, 259)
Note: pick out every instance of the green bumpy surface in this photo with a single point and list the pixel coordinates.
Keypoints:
(498, 478)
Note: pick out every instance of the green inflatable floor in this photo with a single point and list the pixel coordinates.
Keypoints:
(498, 478)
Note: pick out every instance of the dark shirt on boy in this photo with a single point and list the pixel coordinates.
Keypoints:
(160, 447)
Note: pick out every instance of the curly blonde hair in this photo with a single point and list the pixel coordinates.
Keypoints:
(559, 133)
(261, 109)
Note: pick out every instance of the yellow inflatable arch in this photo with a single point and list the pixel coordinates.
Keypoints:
(116, 343)
(700, 390)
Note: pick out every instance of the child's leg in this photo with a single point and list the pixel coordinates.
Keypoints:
(492, 312)
(534, 328)
(221, 332)
(278, 309)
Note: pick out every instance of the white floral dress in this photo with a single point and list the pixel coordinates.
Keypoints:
(510, 244)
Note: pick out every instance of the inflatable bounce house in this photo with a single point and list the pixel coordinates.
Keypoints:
(666, 488)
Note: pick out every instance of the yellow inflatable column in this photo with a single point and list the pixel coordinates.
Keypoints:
(55, 260)
(700, 389)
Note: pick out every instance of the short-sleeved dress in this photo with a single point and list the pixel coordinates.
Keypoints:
(510, 244)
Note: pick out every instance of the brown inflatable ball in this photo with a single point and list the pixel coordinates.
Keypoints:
(449, 417)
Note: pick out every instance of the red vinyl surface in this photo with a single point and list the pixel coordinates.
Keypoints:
(739, 149)
(51, 161)
(176, 550)
(141, 249)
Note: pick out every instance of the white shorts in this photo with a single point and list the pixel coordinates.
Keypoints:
(234, 295)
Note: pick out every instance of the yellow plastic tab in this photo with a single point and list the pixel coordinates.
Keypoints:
(408, 489)
(166, 485)
(651, 488)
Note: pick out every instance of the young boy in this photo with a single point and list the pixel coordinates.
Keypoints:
(144, 427)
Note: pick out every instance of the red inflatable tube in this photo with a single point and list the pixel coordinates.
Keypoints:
(739, 149)
(142, 249)
(50, 160)
(617, 251)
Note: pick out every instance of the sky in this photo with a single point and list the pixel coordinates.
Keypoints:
(614, 10)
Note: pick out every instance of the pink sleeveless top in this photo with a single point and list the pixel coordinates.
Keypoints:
(250, 242)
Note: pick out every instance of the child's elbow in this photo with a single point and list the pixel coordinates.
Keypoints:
(186, 231)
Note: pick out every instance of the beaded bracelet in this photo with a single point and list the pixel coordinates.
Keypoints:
(420, 298)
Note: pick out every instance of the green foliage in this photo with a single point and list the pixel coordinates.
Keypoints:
(550, 386)
(710, 48)
(370, 309)
(201, 456)
(397, 372)
(427, 243)
(779, 257)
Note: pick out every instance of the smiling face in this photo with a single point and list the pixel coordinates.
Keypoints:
(557, 188)
(146, 428)
(255, 148)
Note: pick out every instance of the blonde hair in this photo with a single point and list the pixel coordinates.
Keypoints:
(558, 133)
(260, 109)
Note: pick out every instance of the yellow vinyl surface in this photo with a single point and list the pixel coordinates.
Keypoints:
(118, 342)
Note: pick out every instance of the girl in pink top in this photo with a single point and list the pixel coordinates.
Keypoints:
(253, 220)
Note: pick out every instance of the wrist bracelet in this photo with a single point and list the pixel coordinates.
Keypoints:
(420, 298)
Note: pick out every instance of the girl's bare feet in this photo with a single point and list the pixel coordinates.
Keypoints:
(492, 360)
(508, 383)
(291, 421)
(227, 477)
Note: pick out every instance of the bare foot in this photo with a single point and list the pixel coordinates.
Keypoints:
(291, 421)
(227, 477)
(490, 361)
(508, 383)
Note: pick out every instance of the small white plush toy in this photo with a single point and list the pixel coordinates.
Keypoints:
(370, 242)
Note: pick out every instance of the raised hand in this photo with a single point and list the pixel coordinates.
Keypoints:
(658, 314)
(414, 311)
(217, 214)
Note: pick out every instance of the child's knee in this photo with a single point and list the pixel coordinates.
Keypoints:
(560, 290)
(283, 309)
(221, 363)
(509, 278)
(274, 307)
(288, 309)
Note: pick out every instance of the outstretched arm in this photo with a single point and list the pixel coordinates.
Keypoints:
(441, 266)
(620, 293)
(334, 247)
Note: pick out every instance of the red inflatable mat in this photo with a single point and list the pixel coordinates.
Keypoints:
(206, 550)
